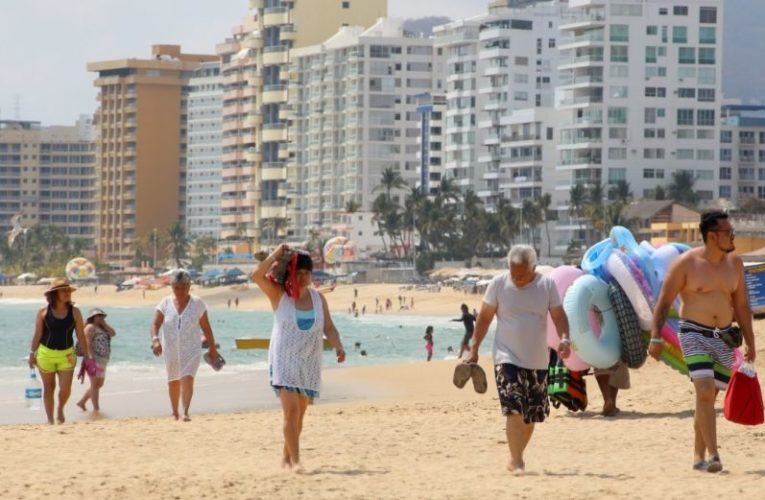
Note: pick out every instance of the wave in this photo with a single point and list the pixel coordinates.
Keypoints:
(16, 302)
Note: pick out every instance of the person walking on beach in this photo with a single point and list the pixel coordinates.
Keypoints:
(610, 381)
(301, 319)
(180, 318)
(99, 335)
(521, 299)
(710, 282)
(429, 341)
(468, 320)
(52, 350)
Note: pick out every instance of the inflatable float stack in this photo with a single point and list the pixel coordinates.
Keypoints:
(609, 303)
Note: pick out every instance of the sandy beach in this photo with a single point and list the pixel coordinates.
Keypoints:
(389, 431)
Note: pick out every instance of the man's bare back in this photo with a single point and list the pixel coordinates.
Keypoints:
(707, 288)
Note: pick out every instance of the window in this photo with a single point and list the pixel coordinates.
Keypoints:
(705, 117)
(746, 155)
(551, 43)
(680, 10)
(664, 34)
(708, 34)
(619, 71)
(684, 154)
(725, 173)
(653, 154)
(619, 53)
(663, 11)
(617, 115)
(685, 117)
(650, 55)
(618, 91)
(707, 76)
(655, 92)
(705, 134)
(649, 173)
(706, 95)
(519, 24)
(706, 55)
(687, 55)
(521, 61)
(726, 136)
(626, 10)
(619, 33)
(725, 155)
(617, 154)
(650, 115)
(617, 133)
(686, 93)
(724, 191)
(705, 154)
(346, 5)
(708, 15)
(679, 34)
(654, 71)
(651, 30)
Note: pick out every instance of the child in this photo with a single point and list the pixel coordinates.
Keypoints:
(429, 341)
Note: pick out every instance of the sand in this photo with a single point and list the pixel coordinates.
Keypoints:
(392, 431)
(414, 436)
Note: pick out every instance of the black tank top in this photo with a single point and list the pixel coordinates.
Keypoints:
(57, 333)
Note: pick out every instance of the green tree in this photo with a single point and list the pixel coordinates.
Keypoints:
(660, 193)
(681, 189)
(544, 203)
(204, 247)
(178, 242)
(352, 206)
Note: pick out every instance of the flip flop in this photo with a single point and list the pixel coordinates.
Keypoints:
(701, 466)
(217, 363)
(714, 465)
(462, 374)
(479, 378)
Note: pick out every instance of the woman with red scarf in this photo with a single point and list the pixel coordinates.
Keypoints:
(301, 320)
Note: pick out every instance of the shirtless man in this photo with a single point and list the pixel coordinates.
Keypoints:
(710, 281)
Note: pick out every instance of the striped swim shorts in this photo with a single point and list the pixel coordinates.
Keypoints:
(705, 353)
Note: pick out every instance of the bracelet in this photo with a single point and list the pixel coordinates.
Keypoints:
(656, 341)
(565, 341)
(33, 353)
(154, 339)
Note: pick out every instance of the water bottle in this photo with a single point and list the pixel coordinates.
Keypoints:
(33, 391)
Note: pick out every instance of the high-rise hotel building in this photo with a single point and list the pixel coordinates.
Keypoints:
(141, 156)
(353, 103)
(255, 62)
(47, 177)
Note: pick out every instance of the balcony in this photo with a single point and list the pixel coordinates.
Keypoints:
(275, 16)
(587, 20)
(287, 33)
(274, 94)
(580, 61)
(252, 155)
(253, 119)
(252, 42)
(272, 211)
(257, 4)
(494, 32)
(273, 132)
(276, 54)
(581, 81)
(581, 101)
(274, 171)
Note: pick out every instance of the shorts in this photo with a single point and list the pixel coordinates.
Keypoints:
(707, 356)
(618, 375)
(55, 360)
(522, 391)
(466, 339)
(429, 348)
(308, 393)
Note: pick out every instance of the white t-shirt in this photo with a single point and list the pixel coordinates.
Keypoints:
(521, 335)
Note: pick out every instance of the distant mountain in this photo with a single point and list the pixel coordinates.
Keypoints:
(423, 26)
(743, 44)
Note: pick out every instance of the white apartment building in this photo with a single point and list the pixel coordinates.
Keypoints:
(640, 96)
(742, 153)
(499, 63)
(353, 102)
(204, 106)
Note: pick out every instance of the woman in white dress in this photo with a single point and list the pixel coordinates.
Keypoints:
(301, 319)
(181, 317)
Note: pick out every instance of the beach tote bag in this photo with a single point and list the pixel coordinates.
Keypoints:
(743, 401)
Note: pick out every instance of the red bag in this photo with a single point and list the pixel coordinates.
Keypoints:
(743, 401)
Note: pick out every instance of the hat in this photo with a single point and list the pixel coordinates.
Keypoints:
(58, 284)
(95, 312)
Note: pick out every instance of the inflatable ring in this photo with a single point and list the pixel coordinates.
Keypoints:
(644, 252)
(634, 351)
(595, 258)
(603, 351)
(622, 239)
(629, 277)
(564, 277)
(671, 356)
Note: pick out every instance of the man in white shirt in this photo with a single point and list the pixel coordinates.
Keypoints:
(521, 299)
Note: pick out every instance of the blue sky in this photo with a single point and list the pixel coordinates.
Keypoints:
(45, 44)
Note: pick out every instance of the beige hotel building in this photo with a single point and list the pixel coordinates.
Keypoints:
(140, 164)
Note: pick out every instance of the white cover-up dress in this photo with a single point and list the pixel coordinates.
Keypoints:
(295, 355)
(181, 344)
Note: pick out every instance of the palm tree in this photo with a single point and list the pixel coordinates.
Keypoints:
(472, 223)
(660, 193)
(352, 206)
(595, 209)
(577, 199)
(380, 209)
(621, 191)
(178, 245)
(389, 181)
(532, 217)
(681, 189)
(543, 203)
(508, 222)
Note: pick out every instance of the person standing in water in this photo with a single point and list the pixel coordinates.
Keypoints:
(468, 320)
(429, 341)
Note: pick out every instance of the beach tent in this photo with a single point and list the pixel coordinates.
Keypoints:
(26, 278)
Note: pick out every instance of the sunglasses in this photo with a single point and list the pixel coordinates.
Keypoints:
(731, 232)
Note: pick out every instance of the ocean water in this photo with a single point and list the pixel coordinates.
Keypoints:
(385, 338)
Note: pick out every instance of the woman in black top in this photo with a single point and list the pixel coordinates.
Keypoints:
(53, 345)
